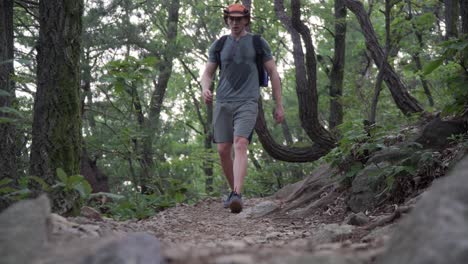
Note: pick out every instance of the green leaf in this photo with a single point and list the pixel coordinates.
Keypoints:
(113, 196)
(10, 110)
(46, 187)
(6, 190)
(431, 66)
(5, 181)
(62, 176)
(119, 86)
(4, 120)
(4, 93)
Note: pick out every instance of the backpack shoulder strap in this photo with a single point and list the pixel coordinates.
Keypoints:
(257, 40)
(262, 74)
(218, 48)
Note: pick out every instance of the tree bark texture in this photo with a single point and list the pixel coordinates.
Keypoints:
(464, 15)
(405, 102)
(306, 90)
(388, 47)
(307, 94)
(285, 153)
(337, 72)
(8, 134)
(451, 18)
(416, 56)
(56, 135)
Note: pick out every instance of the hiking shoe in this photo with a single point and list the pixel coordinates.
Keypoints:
(228, 200)
(236, 203)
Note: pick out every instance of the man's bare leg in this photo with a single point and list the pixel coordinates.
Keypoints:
(240, 162)
(225, 155)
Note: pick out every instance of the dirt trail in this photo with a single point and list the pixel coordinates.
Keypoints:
(208, 233)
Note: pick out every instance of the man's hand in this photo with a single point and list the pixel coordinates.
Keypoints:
(279, 114)
(207, 78)
(207, 96)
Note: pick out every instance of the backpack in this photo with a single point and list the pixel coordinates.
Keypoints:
(257, 41)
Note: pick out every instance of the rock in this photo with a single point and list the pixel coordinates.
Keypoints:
(365, 187)
(318, 259)
(358, 219)
(138, 248)
(284, 192)
(135, 248)
(331, 233)
(90, 213)
(436, 231)
(23, 230)
(259, 210)
(436, 133)
(384, 233)
(235, 259)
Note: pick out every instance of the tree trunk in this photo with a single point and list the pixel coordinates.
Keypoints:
(378, 83)
(451, 18)
(306, 90)
(464, 15)
(405, 102)
(56, 132)
(337, 72)
(8, 134)
(88, 167)
(157, 98)
(416, 56)
(285, 153)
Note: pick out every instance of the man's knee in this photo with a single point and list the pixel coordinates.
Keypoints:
(224, 149)
(241, 144)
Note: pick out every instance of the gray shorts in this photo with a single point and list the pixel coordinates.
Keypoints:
(234, 119)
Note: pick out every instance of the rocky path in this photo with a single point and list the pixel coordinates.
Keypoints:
(208, 233)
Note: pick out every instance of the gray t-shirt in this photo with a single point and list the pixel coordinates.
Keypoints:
(239, 77)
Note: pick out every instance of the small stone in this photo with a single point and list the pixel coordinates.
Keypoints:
(358, 219)
(90, 213)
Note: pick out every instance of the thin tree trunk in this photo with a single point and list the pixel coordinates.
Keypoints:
(8, 133)
(405, 102)
(56, 134)
(378, 84)
(464, 15)
(88, 167)
(451, 18)
(337, 72)
(285, 153)
(464, 28)
(306, 90)
(416, 56)
(157, 98)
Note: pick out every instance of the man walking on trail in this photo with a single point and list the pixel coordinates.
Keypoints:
(237, 96)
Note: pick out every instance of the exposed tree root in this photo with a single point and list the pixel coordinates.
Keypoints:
(307, 197)
(316, 191)
(312, 183)
(325, 200)
(389, 218)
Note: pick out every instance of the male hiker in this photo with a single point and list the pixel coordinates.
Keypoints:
(237, 95)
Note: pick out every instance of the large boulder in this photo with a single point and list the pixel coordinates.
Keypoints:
(436, 133)
(437, 230)
(23, 230)
(29, 233)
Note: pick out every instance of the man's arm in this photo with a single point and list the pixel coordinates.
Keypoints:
(270, 67)
(207, 80)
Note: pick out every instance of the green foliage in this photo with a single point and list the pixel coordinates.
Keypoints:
(73, 183)
(137, 206)
(454, 53)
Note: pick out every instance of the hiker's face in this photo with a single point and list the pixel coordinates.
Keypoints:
(237, 24)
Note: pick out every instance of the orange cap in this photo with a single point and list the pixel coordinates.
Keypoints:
(236, 10)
